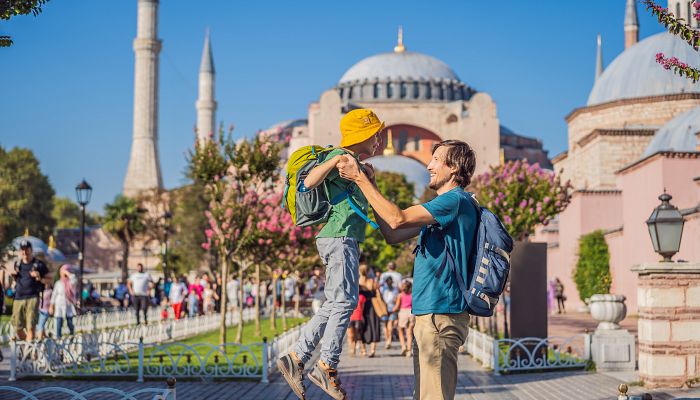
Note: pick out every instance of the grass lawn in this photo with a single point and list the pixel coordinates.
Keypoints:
(198, 355)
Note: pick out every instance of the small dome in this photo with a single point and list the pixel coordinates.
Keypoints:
(635, 73)
(402, 76)
(677, 134)
(415, 172)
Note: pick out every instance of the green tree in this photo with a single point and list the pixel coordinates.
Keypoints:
(189, 223)
(375, 250)
(67, 214)
(592, 274)
(124, 219)
(11, 8)
(26, 197)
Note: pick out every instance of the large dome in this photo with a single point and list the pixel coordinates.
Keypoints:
(402, 76)
(635, 73)
(403, 65)
(415, 172)
(677, 134)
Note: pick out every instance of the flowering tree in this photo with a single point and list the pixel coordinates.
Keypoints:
(236, 177)
(521, 195)
(682, 29)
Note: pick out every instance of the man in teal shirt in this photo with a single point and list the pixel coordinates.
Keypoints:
(449, 221)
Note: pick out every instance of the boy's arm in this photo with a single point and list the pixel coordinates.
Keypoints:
(319, 172)
(414, 217)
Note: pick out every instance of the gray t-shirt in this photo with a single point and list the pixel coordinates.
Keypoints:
(139, 283)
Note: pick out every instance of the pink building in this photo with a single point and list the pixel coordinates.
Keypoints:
(635, 138)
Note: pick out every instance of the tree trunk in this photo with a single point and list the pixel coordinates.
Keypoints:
(125, 262)
(297, 299)
(273, 312)
(239, 332)
(283, 301)
(257, 300)
(224, 299)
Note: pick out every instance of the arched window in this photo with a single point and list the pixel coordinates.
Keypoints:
(678, 10)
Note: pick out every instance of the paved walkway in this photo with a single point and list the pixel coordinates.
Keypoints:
(390, 376)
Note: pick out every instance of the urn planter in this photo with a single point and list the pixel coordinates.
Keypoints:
(608, 310)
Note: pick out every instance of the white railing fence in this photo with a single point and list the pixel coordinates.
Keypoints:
(480, 346)
(533, 353)
(94, 393)
(70, 358)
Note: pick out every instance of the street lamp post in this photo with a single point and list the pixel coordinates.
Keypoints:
(83, 192)
(666, 228)
(167, 217)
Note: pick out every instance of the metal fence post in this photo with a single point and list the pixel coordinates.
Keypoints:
(171, 388)
(140, 378)
(264, 362)
(13, 362)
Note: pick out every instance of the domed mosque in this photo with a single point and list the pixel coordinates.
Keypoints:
(636, 137)
(422, 101)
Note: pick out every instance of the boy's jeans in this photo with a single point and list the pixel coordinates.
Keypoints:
(341, 256)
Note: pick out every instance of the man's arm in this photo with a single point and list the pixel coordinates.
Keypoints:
(393, 236)
(130, 287)
(395, 217)
(320, 172)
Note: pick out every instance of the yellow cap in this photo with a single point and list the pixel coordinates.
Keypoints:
(358, 126)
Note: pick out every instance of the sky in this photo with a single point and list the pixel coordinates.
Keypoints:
(67, 83)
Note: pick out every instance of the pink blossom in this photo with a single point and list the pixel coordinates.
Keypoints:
(507, 220)
(261, 242)
(206, 246)
(269, 242)
(523, 204)
(209, 233)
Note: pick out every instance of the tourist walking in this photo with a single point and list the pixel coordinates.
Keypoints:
(338, 245)
(357, 327)
(390, 295)
(140, 284)
(371, 315)
(195, 297)
(392, 273)
(559, 291)
(207, 297)
(44, 311)
(233, 288)
(28, 274)
(406, 319)
(316, 288)
(63, 300)
(450, 222)
(178, 293)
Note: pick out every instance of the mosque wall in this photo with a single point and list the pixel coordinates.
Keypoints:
(627, 115)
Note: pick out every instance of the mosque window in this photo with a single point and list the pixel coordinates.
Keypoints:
(416, 142)
(678, 10)
(690, 15)
(451, 119)
(403, 90)
(403, 140)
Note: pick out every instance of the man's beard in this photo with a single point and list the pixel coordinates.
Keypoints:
(438, 183)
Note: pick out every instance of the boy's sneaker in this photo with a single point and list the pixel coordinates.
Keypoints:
(327, 379)
(293, 372)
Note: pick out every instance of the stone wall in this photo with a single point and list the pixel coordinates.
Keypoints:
(630, 115)
(669, 323)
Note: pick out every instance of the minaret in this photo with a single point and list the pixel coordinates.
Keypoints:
(631, 24)
(206, 105)
(599, 59)
(143, 173)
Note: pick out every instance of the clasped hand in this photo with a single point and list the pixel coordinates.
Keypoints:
(349, 169)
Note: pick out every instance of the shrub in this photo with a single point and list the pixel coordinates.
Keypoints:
(592, 274)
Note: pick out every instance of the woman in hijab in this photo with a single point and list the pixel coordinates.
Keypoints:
(63, 300)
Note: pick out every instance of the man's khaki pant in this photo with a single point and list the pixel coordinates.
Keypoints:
(436, 341)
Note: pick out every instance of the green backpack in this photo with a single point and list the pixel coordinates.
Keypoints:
(312, 206)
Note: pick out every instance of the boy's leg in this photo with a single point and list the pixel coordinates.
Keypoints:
(342, 283)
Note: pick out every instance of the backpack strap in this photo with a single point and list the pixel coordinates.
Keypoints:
(346, 195)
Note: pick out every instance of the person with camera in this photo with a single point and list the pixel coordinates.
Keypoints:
(28, 275)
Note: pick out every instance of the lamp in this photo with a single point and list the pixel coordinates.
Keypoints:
(83, 192)
(666, 228)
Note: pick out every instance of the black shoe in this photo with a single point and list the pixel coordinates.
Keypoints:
(293, 372)
(327, 379)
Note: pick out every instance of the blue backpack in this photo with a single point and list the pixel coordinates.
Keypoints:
(489, 264)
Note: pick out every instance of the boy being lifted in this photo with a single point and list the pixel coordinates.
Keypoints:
(338, 245)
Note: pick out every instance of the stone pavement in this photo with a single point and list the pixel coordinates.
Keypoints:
(390, 376)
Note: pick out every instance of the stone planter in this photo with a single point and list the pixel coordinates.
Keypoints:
(608, 310)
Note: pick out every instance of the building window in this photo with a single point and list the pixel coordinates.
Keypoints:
(416, 141)
(403, 140)
(678, 10)
(690, 15)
